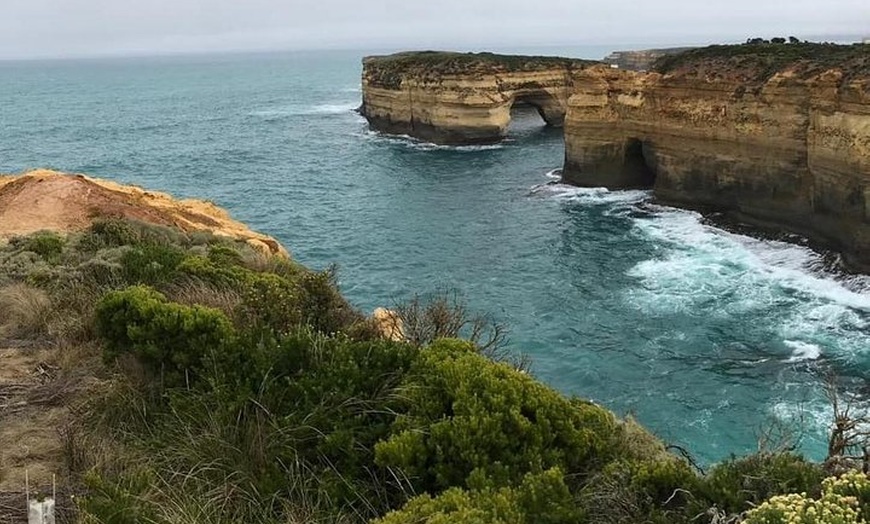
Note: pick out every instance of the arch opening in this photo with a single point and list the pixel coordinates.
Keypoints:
(639, 167)
(535, 110)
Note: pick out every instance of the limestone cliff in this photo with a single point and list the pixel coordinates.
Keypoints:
(780, 141)
(44, 199)
(453, 98)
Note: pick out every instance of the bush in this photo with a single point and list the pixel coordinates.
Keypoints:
(170, 340)
(117, 232)
(844, 500)
(109, 233)
(540, 499)
(46, 244)
(652, 490)
(738, 484)
(151, 264)
(322, 306)
(468, 418)
(120, 503)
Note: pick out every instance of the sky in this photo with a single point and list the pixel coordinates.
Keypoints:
(69, 28)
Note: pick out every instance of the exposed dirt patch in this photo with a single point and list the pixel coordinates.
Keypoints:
(29, 436)
(48, 200)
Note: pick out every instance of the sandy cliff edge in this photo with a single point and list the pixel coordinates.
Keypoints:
(50, 200)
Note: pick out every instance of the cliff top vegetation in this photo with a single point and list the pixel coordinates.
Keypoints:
(195, 378)
(758, 60)
(388, 70)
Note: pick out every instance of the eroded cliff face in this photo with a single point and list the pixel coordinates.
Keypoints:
(451, 98)
(791, 150)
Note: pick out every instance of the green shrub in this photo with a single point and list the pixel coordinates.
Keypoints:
(47, 244)
(109, 233)
(738, 484)
(170, 340)
(657, 489)
(224, 255)
(151, 264)
(322, 306)
(273, 302)
(541, 499)
(220, 276)
(467, 416)
(117, 503)
(844, 500)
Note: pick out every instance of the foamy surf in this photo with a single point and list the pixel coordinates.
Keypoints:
(316, 110)
(588, 195)
(802, 351)
(418, 145)
(703, 270)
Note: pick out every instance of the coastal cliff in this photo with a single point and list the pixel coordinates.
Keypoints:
(773, 136)
(50, 200)
(454, 98)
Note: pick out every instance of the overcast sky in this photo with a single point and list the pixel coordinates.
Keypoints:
(44, 28)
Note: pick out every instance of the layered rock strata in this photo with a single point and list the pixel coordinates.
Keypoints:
(786, 149)
(774, 135)
(453, 98)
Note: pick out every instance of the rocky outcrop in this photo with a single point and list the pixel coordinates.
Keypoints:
(453, 98)
(48, 200)
(774, 135)
(643, 60)
(782, 145)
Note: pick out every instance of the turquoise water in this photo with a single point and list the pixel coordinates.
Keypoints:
(706, 336)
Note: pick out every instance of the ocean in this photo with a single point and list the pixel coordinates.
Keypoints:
(714, 340)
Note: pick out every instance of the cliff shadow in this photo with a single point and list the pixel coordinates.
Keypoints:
(623, 163)
(639, 164)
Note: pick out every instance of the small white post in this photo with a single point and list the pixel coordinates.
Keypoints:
(40, 511)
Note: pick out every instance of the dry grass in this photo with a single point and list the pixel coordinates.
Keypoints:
(24, 312)
(196, 292)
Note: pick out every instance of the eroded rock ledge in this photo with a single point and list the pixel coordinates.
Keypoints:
(455, 98)
(772, 135)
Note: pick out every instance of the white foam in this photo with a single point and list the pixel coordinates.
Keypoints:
(333, 109)
(590, 195)
(811, 418)
(320, 109)
(802, 351)
(416, 144)
(701, 269)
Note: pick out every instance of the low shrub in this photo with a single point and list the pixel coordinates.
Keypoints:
(151, 264)
(541, 498)
(468, 417)
(656, 489)
(844, 500)
(170, 340)
(741, 483)
(47, 244)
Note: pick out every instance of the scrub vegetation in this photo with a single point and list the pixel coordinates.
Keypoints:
(758, 60)
(215, 384)
(430, 66)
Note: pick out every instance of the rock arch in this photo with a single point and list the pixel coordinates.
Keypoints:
(551, 109)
